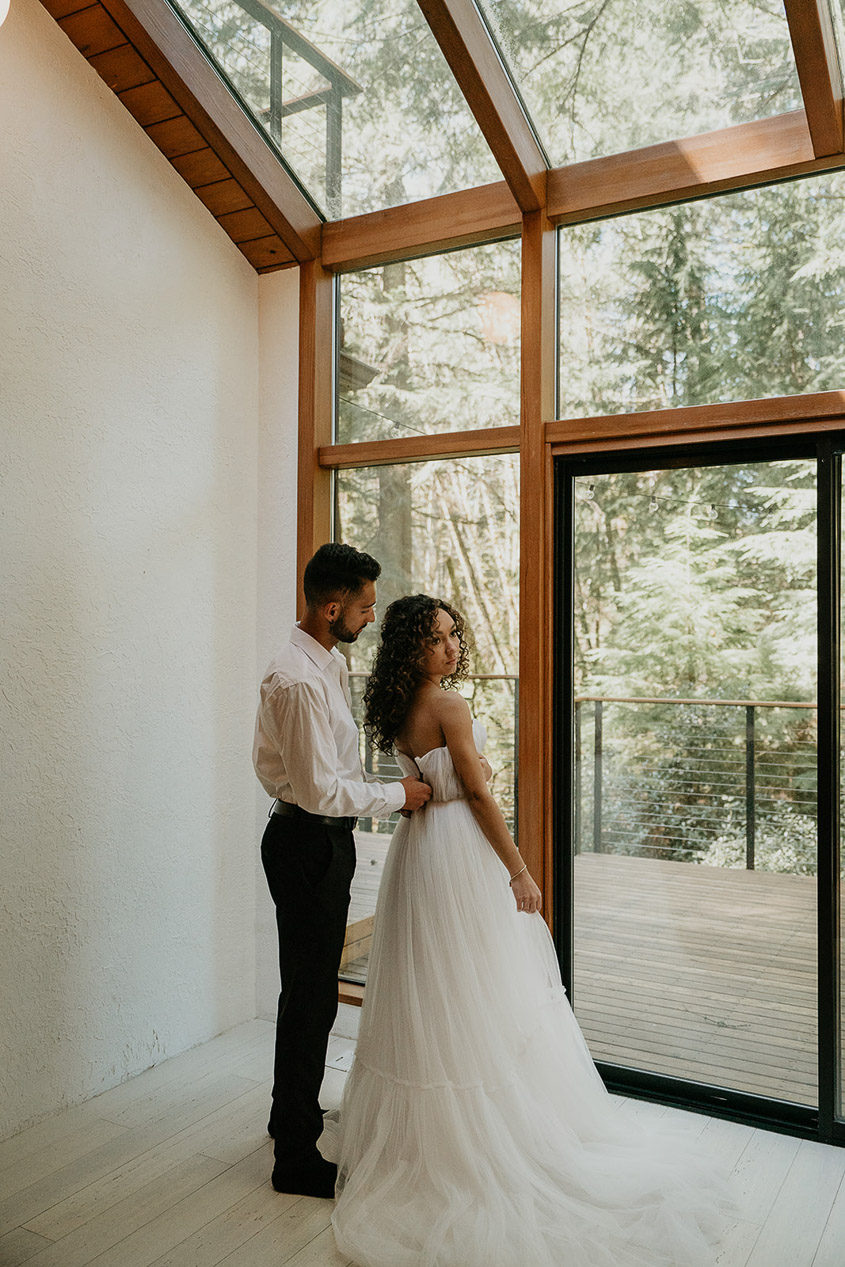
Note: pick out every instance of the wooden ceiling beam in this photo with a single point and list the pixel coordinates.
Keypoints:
(466, 218)
(819, 73)
(163, 41)
(482, 78)
(731, 158)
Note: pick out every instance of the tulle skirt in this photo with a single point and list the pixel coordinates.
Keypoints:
(474, 1129)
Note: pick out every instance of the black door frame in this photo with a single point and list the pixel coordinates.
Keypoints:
(826, 1122)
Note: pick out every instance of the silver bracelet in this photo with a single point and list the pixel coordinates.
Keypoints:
(524, 867)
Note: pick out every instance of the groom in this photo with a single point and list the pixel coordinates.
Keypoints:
(306, 757)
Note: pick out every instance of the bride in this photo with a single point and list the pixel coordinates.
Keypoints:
(474, 1129)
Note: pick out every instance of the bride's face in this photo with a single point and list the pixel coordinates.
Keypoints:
(441, 651)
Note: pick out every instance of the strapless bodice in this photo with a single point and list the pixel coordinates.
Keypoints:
(437, 769)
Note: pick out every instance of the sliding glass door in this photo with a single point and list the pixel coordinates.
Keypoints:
(697, 808)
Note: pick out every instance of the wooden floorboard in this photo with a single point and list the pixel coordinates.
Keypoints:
(184, 1182)
(830, 1250)
(113, 1222)
(19, 1246)
(698, 972)
(802, 1207)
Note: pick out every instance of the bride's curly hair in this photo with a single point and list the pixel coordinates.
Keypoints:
(407, 627)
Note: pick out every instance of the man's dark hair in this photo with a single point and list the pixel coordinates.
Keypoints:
(337, 572)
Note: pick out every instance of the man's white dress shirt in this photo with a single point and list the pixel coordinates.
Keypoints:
(306, 742)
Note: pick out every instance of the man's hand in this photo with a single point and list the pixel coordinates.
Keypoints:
(416, 793)
(487, 768)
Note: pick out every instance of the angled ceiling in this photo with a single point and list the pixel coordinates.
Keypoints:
(284, 115)
(145, 55)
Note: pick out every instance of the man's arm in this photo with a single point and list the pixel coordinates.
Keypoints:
(296, 720)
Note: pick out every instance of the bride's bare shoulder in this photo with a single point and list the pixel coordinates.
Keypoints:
(452, 707)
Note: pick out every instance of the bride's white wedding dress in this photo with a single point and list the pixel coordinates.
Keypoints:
(474, 1129)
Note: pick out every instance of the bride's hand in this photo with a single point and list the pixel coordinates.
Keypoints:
(486, 767)
(528, 897)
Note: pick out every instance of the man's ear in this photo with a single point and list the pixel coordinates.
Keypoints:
(331, 611)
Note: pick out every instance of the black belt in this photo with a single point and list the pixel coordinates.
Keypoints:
(284, 809)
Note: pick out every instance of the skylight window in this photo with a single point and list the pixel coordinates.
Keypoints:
(602, 76)
(357, 97)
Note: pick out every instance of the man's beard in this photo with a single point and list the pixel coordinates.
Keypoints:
(339, 629)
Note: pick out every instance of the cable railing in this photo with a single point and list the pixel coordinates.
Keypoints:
(730, 782)
(697, 780)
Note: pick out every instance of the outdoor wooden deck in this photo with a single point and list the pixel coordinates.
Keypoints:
(696, 972)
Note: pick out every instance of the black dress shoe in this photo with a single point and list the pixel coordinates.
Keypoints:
(315, 1178)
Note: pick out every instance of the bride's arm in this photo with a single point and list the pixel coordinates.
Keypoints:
(456, 723)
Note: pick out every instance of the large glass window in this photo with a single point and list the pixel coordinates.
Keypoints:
(738, 297)
(449, 529)
(602, 76)
(430, 345)
(695, 635)
(356, 95)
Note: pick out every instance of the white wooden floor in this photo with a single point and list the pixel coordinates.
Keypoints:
(171, 1169)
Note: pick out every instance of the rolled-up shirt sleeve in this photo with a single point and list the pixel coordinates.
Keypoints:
(296, 723)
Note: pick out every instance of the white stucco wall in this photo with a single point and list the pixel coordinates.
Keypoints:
(129, 402)
(277, 458)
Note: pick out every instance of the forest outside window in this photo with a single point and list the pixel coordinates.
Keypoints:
(602, 77)
(735, 298)
(357, 97)
(695, 788)
(430, 345)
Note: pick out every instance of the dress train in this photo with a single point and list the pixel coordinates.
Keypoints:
(475, 1130)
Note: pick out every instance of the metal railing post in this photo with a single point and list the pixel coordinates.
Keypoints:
(597, 779)
(750, 806)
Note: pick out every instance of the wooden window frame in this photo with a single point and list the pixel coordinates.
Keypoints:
(539, 438)
(164, 42)
(474, 60)
(128, 38)
(819, 72)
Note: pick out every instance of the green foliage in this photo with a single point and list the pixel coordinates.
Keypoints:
(786, 843)
(440, 337)
(699, 583)
(701, 579)
(406, 134)
(735, 298)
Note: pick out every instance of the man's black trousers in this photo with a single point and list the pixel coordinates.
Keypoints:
(309, 868)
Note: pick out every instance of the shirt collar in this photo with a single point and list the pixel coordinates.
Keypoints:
(316, 652)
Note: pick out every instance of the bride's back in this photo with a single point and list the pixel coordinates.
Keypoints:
(421, 730)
